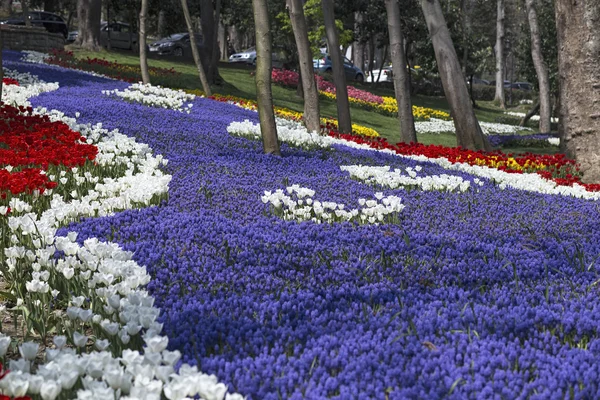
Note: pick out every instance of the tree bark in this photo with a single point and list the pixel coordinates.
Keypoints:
(541, 68)
(499, 97)
(223, 41)
(401, 79)
(358, 50)
(6, 7)
(49, 5)
(264, 95)
(25, 9)
(307, 73)
(161, 24)
(466, 22)
(207, 21)
(468, 132)
(578, 29)
(195, 52)
(142, 43)
(371, 59)
(88, 15)
(337, 65)
(214, 60)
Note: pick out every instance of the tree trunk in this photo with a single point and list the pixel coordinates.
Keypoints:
(307, 73)
(142, 43)
(578, 28)
(468, 131)
(207, 20)
(25, 9)
(540, 68)
(337, 65)
(70, 20)
(371, 59)
(264, 96)
(6, 7)
(466, 21)
(399, 67)
(358, 50)
(195, 52)
(499, 97)
(223, 49)
(88, 15)
(530, 114)
(161, 24)
(214, 60)
(49, 5)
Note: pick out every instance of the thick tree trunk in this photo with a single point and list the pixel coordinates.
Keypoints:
(207, 20)
(399, 67)
(195, 52)
(223, 48)
(468, 131)
(337, 65)
(214, 59)
(88, 15)
(499, 97)
(25, 9)
(466, 22)
(5, 7)
(161, 24)
(541, 68)
(50, 5)
(358, 50)
(142, 43)
(264, 96)
(578, 28)
(307, 72)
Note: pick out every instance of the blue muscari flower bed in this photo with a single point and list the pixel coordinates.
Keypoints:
(536, 139)
(488, 294)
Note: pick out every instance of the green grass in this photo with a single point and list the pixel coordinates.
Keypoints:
(238, 81)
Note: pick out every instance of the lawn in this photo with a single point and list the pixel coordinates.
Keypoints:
(238, 81)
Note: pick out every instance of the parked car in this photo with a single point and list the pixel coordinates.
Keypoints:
(177, 44)
(247, 56)
(323, 66)
(384, 74)
(52, 22)
(121, 36)
(387, 74)
(506, 84)
(73, 35)
(478, 81)
(522, 86)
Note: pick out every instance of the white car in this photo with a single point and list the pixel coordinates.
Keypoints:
(381, 75)
(247, 56)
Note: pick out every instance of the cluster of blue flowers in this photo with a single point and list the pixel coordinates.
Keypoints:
(535, 139)
(484, 294)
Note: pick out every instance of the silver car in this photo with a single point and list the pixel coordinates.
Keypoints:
(247, 56)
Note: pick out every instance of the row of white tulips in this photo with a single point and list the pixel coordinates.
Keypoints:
(297, 135)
